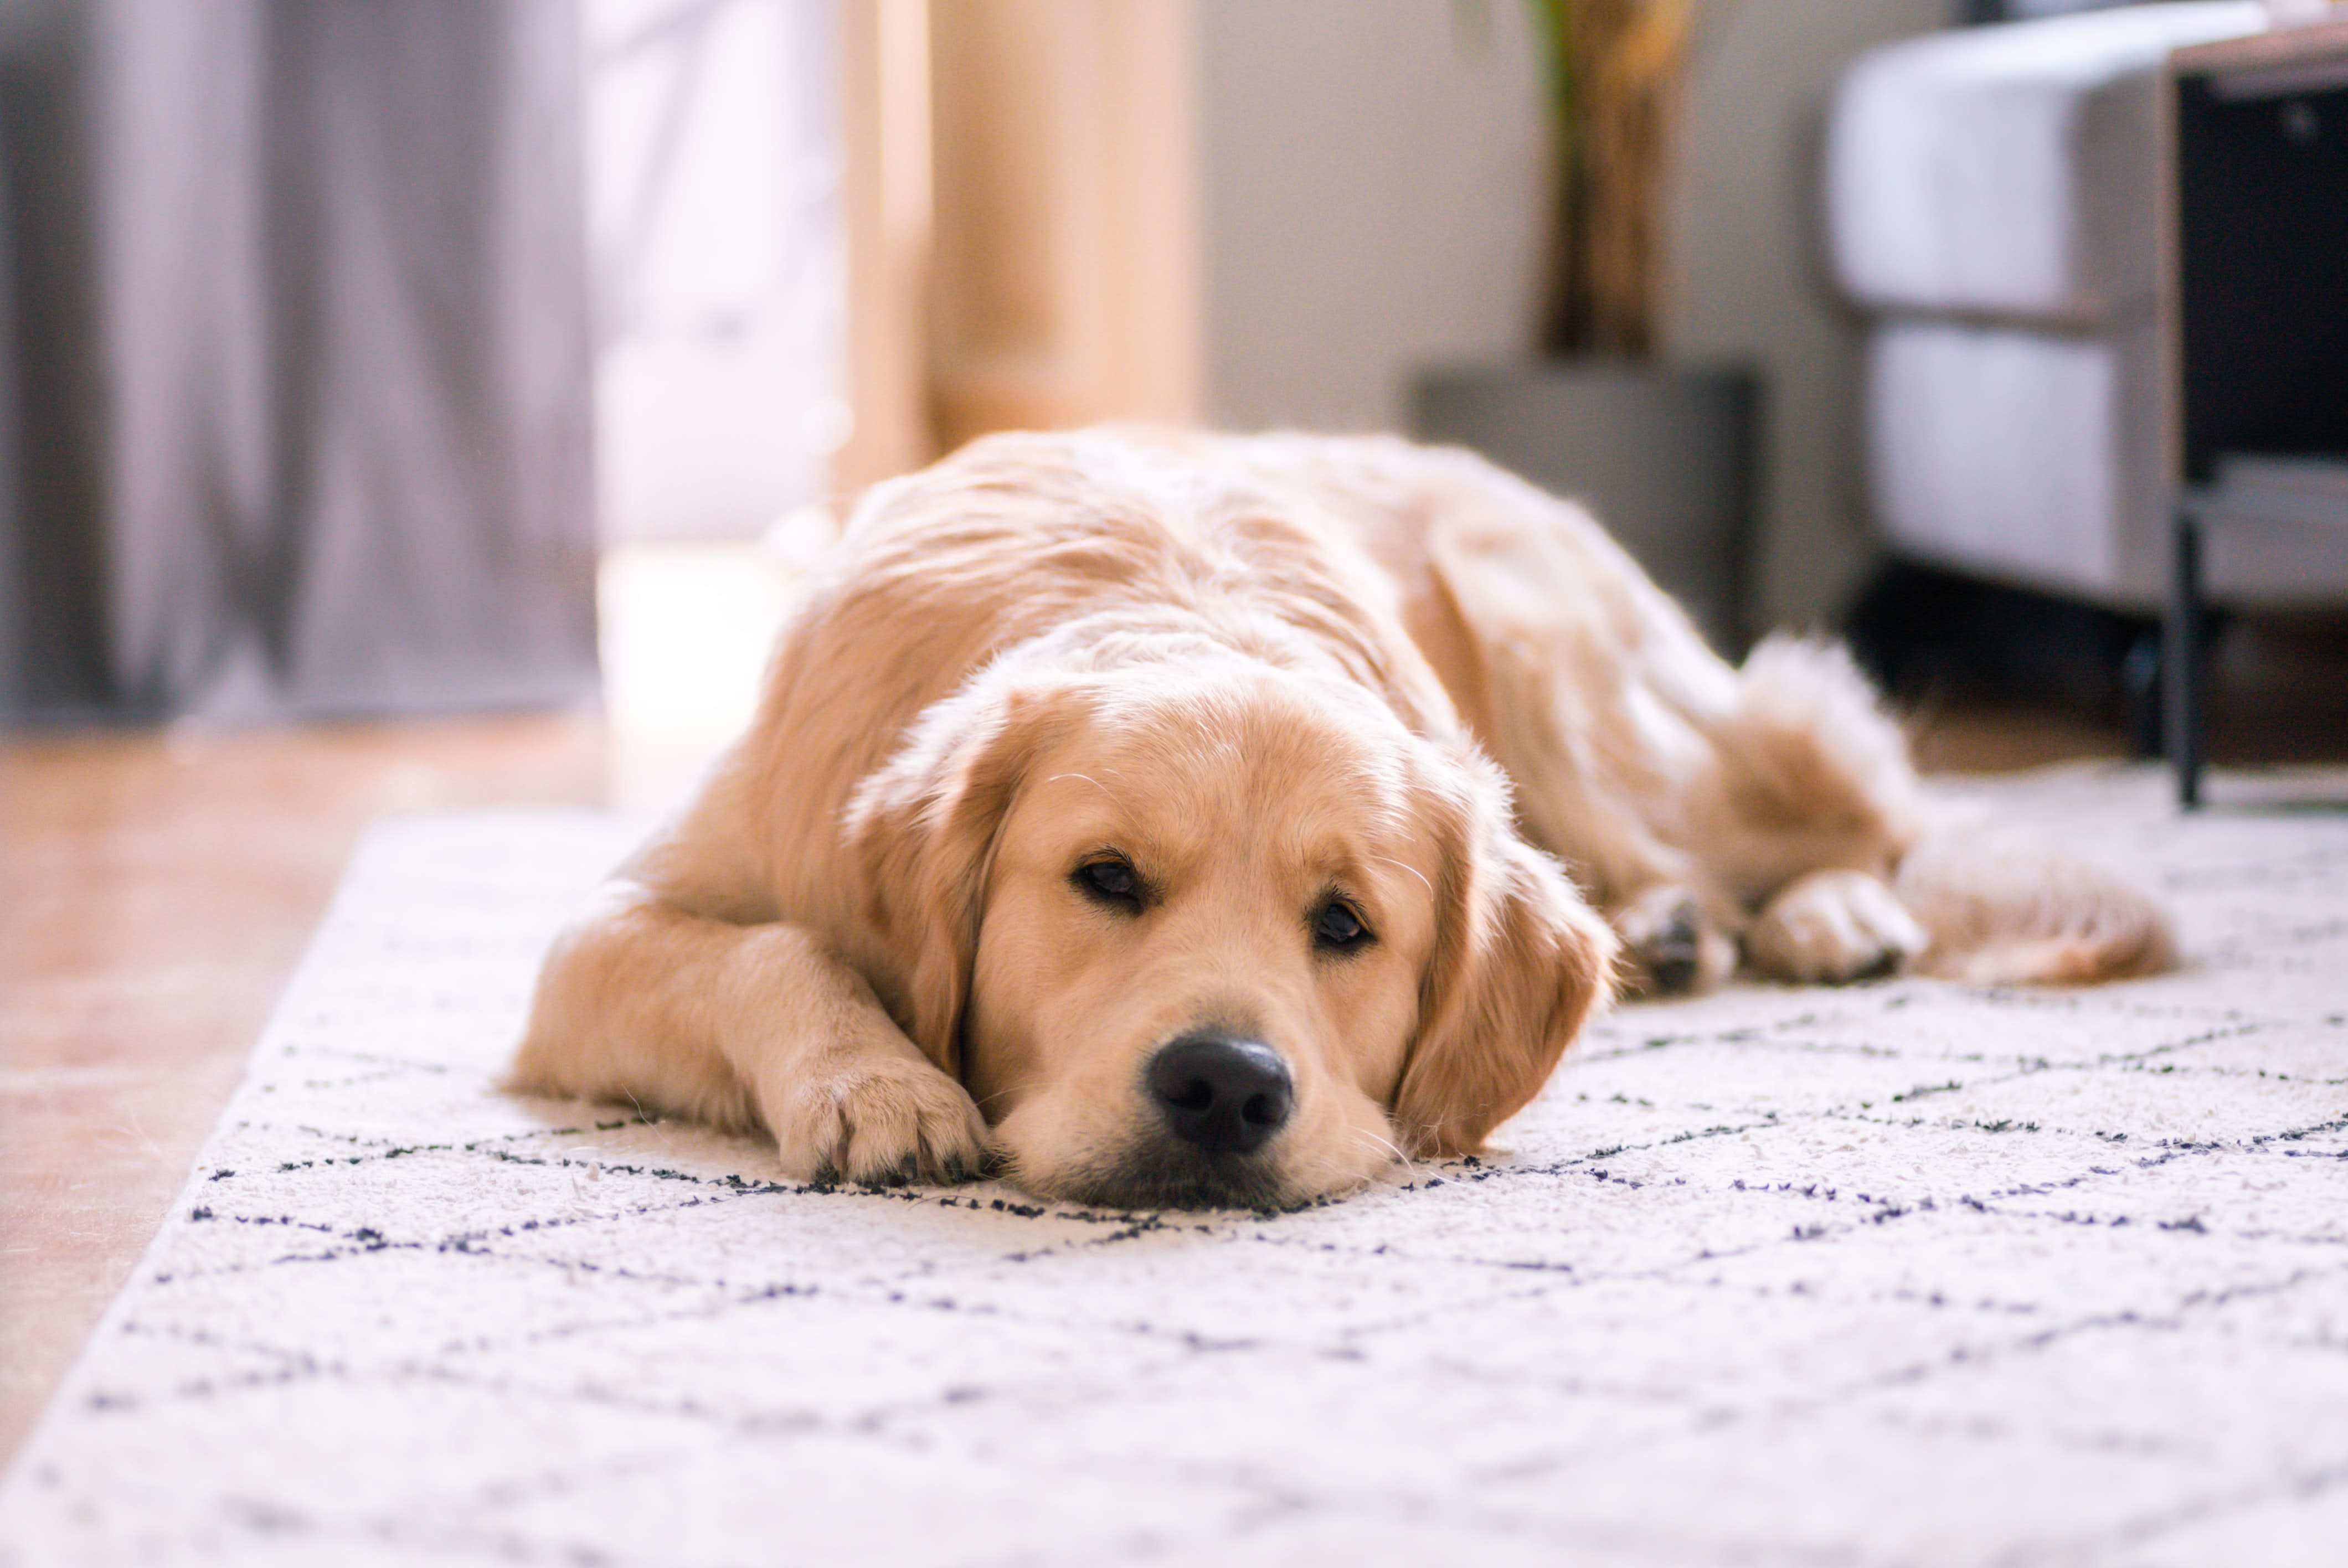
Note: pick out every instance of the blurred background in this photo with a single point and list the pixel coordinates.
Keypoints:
(426, 405)
(348, 337)
(349, 348)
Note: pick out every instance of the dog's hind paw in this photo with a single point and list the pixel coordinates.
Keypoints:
(1669, 947)
(1833, 927)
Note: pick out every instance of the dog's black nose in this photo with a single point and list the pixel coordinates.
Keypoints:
(1227, 1096)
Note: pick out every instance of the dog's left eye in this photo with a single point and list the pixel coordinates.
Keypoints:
(1338, 930)
(1110, 882)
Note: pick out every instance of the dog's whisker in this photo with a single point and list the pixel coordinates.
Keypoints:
(1394, 1151)
(1389, 860)
(1086, 778)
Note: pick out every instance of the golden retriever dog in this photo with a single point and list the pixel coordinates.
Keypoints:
(1174, 820)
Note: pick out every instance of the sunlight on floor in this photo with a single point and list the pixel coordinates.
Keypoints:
(686, 631)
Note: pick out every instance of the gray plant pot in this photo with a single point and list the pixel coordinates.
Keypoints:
(1664, 456)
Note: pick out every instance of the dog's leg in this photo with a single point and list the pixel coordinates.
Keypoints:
(1832, 925)
(743, 1026)
(1673, 942)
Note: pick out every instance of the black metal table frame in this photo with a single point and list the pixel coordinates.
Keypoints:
(2184, 712)
(2255, 229)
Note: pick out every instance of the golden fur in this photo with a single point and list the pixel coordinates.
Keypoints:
(1083, 744)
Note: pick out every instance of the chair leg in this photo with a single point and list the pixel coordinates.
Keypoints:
(2181, 650)
(2140, 692)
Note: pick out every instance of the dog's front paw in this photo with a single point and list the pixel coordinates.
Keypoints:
(1670, 946)
(876, 1119)
(1833, 926)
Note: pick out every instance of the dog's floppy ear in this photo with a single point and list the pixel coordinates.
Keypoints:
(923, 828)
(1520, 963)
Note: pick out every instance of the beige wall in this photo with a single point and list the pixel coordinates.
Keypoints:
(1749, 282)
(1370, 173)
(1368, 170)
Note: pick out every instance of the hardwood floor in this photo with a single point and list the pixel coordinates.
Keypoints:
(156, 889)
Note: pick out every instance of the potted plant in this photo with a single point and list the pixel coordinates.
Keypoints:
(1666, 454)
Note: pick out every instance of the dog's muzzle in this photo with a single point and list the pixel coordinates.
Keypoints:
(1222, 1095)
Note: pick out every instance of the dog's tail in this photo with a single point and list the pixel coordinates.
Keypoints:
(2005, 907)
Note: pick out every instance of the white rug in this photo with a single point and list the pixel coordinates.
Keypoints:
(1903, 1274)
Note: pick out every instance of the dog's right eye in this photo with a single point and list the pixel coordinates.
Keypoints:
(1111, 882)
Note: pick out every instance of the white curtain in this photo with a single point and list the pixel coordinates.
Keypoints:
(312, 431)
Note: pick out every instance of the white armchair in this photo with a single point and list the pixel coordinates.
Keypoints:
(1993, 205)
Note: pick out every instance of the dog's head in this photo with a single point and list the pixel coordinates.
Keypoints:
(1218, 933)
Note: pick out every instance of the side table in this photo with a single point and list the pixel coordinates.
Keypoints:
(2256, 314)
